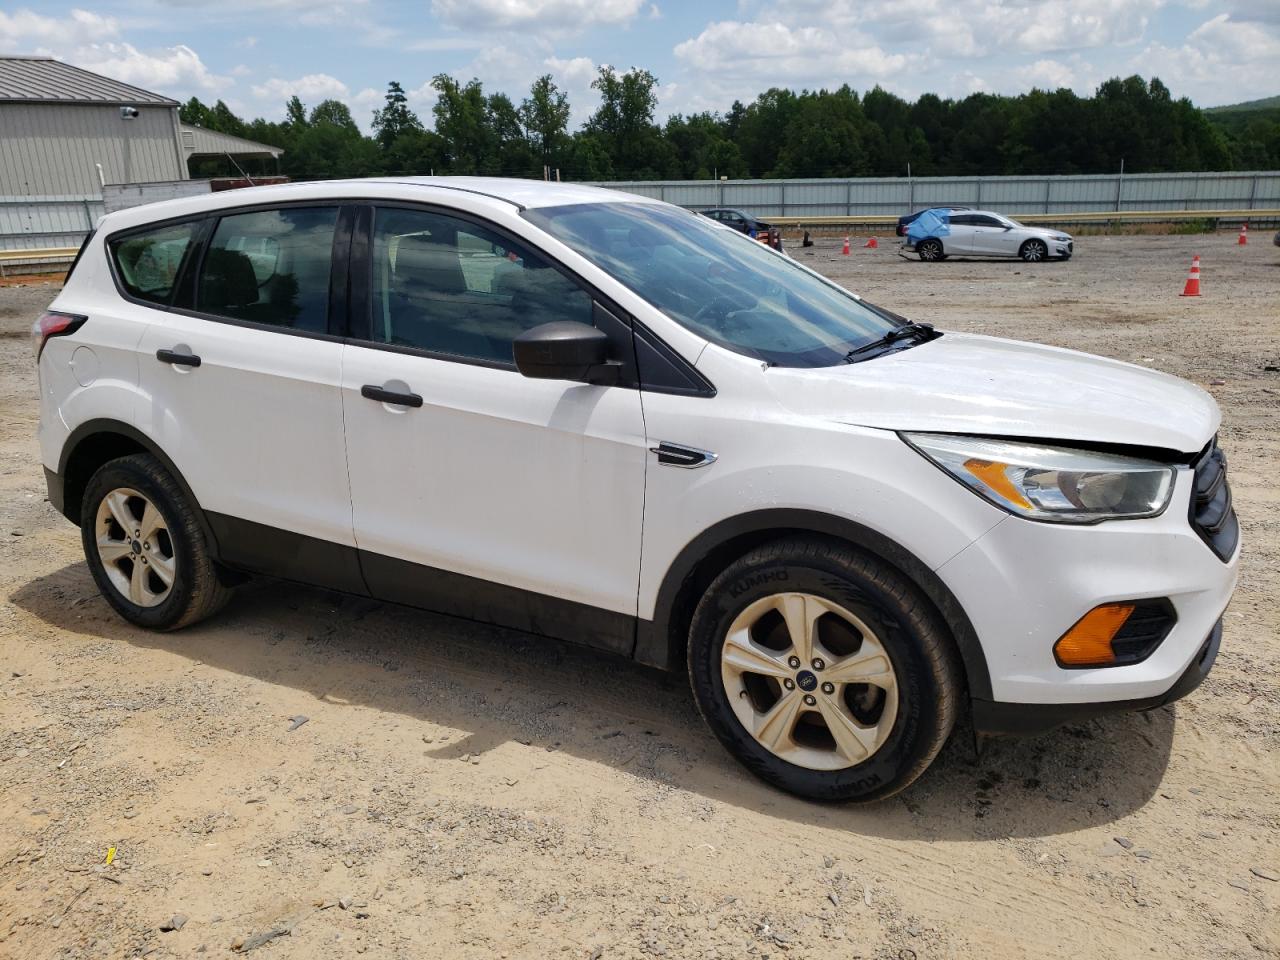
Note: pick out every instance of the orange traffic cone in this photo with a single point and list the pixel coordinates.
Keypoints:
(845, 251)
(1192, 289)
(1244, 235)
(872, 244)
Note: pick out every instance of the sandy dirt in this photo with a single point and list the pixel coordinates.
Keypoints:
(462, 791)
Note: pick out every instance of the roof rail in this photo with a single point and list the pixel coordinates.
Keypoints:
(448, 186)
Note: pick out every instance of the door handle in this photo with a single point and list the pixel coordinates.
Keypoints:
(178, 359)
(372, 392)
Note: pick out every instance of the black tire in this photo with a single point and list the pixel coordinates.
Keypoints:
(930, 250)
(1034, 251)
(196, 591)
(924, 658)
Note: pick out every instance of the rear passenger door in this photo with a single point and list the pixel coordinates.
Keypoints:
(475, 490)
(242, 375)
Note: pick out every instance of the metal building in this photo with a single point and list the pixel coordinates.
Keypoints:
(66, 133)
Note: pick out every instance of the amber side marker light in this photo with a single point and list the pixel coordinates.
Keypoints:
(1088, 643)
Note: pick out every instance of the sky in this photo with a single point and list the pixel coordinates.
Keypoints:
(255, 54)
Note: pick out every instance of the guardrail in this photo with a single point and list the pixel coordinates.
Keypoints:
(37, 256)
(1103, 216)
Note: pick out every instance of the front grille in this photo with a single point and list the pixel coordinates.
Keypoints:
(1212, 515)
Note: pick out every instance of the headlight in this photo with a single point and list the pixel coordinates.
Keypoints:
(1057, 484)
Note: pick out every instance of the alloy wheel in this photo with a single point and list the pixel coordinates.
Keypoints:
(135, 547)
(810, 681)
(1034, 251)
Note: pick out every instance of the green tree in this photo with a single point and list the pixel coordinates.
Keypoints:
(395, 119)
(545, 115)
(460, 112)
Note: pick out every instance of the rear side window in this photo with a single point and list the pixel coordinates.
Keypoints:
(147, 262)
(270, 267)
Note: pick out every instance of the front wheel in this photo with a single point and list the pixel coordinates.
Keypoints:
(1033, 251)
(930, 250)
(824, 671)
(145, 547)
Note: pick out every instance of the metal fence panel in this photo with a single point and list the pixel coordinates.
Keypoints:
(1037, 194)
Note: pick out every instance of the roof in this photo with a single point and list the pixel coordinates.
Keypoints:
(493, 196)
(522, 193)
(199, 142)
(45, 80)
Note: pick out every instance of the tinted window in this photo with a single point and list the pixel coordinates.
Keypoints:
(724, 287)
(148, 262)
(271, 267)
(450, 286)
(962, 220)
(983, 221)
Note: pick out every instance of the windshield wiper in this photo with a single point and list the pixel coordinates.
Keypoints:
(907, 330)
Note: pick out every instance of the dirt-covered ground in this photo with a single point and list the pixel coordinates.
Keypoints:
(461, 791)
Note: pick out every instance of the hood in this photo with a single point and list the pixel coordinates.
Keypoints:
(1044, 233)
(963, 383)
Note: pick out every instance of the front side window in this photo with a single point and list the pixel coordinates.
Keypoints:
(147, 262)
(449, 286)
(729, 290)
(271, 267)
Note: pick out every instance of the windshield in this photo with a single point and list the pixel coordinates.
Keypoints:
(1007, 220)
(718, 283)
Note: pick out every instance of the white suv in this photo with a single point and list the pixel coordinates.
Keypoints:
(603, 418)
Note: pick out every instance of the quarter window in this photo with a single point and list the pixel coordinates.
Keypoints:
(271, 267)
(448, 286)
(148, 262)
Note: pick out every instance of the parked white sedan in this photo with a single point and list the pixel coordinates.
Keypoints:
(938, 234)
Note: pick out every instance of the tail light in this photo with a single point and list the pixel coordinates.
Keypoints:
(53, 324)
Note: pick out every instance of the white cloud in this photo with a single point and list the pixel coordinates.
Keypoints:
(542, 16)
(1047, 75)
(1210, 63)
(25, 31)
(777, 53)
(92, 41)
(309, 89)
(576, 73)
(171, 71)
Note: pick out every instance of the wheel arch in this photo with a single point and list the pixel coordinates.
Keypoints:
(94, 443)
(661, 642)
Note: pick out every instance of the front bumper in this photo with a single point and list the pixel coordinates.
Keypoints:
(1023, 584)
(994, 719)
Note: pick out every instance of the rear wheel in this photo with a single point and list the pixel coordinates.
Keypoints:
(145, 547)
(1033, 251)
(823, 671)
(930, 250)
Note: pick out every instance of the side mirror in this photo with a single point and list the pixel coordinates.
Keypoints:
(565, 350)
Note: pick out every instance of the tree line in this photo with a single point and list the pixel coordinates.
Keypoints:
(782, 133)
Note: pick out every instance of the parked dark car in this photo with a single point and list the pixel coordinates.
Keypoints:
(904, 222)
(745, 223)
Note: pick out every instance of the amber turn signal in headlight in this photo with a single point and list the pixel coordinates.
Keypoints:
(1088, 643)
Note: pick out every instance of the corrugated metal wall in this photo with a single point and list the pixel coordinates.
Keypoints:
(1013, 195)
(50, 194)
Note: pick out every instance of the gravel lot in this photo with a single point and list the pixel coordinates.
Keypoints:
(461, 791)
